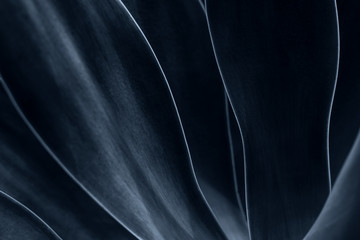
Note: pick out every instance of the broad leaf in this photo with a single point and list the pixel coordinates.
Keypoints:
(279, 63)
(177, 31)
(30, 175)
(90, 88)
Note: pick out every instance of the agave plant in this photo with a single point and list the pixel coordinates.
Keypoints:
(181, 119)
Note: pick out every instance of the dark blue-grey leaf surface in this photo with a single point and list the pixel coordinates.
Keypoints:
(30, 175)
(91, 90)
(340, 216)
(177, 31)
(180, 119)
(17, 222)
(345, 116)
(236, 151)
(279, 63)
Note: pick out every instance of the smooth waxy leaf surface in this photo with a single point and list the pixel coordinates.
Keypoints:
(177, 31)
(89, 87)
(17, 222)
(345, 115)
(30, 175)
(279, 63)
(339, 218)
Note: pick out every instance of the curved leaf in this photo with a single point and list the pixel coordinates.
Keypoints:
(178, 33)
(86, 82)
(29, 174)
(345, 116)
(340, 216)
(17, 222)
(279, 63)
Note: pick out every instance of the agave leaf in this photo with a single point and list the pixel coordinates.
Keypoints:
(339, 219)
(177, 31)
(85, 80)
(30, 175)
(345, 116)
(17, 222)
(279, 63)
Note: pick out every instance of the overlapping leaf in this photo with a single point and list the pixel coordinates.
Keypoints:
(340, 216)
(30, 175)
(177, 31)
(115, 123)
(17, 222)
(345, 116)
(87, 84)
(279, 63)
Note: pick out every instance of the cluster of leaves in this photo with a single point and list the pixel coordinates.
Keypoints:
(179, 119)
